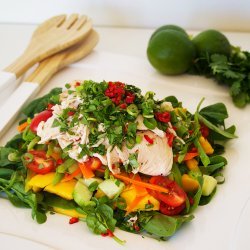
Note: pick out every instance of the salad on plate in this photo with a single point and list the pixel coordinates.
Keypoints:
(108, 155)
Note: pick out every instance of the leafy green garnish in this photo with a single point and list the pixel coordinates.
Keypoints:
(40, 104)
(232, 71)
(101, 219)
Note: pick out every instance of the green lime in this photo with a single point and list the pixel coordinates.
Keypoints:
(211, 42)
(171, 52)
(169, 27)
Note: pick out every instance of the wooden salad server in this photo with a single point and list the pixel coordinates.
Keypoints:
(54, 35)
(46, 69)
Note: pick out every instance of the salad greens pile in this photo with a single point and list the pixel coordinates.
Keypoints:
(118, 112)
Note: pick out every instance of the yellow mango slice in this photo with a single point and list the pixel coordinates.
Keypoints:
(62, 189)
(69, 212)
(30, 175)
(99, 193)
(192, 164)
(189, 184)
(130, 194)
(40, 181)
(206, 145)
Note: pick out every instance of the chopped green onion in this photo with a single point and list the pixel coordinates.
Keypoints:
(67, 86)
(219, 178)
(138, 139)
(33, 143)
(27, 158)
(14, 156)
(150, 123)
(130, 142)
(63, 167)
(133, 110)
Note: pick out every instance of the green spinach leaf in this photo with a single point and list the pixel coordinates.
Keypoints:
(215, 113)
(162, 225)
(224, 133)
(40, 104)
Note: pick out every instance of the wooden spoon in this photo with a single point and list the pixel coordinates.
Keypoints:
(52, 36)
(41, 75)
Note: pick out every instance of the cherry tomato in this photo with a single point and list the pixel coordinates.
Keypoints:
(94, 163)
(176, 195)
(43, 116)
(168, 210)
(40, 164)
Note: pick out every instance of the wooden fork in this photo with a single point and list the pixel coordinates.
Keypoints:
(41, 75)
(52, 36)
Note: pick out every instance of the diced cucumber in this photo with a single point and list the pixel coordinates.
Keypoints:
(89, 181)
(111, 187)
(81, 194)
(209, 184)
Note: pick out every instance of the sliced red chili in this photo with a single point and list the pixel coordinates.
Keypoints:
(73, 220)
(170, 138)
(204, 130)
(70, 113)
(108, 233)
(163, 117)
(115, 91)
(50, 106)
(148, 139)
(123, 106)
(130, 97)
(59, 162)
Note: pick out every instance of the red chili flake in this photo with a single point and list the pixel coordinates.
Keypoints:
(108, 233)
(174, 128)
(73, 220)
(115, 91)
(70, 113)
(59, 161)
(123, 106)
(136, 227)
(130, 97)
(190, 131)
(148, 139)
(191, 200)
(163, 117)
(193, 150)
(149, 202)
(170, 138)
(66, 175)
(50, 106)
(204, 130)
(77, 84)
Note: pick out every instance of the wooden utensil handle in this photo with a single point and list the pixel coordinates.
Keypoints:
(21, 64)
(46, 69)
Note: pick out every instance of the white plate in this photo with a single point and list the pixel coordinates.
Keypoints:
(219, 225)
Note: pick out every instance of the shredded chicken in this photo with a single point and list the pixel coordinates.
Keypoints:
(153, 159)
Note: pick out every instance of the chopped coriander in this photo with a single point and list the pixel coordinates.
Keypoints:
(117, 183)
(149, 206)
(93, 186)
(106, 174)
(67, 86)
